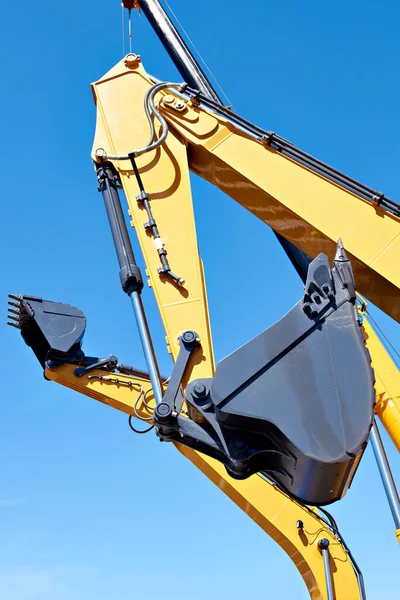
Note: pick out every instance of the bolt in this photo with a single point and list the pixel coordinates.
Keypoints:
(163, 409)
(101, 153)
(200, 389)
(169, 99)
(300, 524)
(310, 310)
(179, 105)
(328, 291)
(189, 337)
(201, 395)
(132, 60)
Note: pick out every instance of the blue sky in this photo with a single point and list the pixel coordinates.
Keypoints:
(83, 501)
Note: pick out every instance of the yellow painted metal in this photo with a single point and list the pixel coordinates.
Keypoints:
(275, 512)
(387, 384)
(121, 126)
(122, 397)
(305, 208)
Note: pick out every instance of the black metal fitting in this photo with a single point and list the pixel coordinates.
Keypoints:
(328, 291)
(200, 394)
(109, 364)
(149, 224)
(323, 544)
(309, 309)
(377, 198)
(163, 412)
(268, 138)
(142, 196)
(316, 298)
(199, 390)
(300, 524)
(165, 270)
(190, 337)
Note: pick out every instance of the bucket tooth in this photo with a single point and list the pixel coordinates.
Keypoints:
(342, 266)
(15, 319)
(19, 312)
(16, 304)
(340, 255)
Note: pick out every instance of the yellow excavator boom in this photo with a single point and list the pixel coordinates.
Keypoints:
(203, 141)
(310, 206)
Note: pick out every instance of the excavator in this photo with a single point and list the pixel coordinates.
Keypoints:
(282, 423)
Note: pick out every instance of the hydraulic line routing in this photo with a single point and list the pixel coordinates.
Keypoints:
(282, 422)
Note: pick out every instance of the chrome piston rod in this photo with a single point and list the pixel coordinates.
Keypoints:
(178, 51)
(386, 476)
(323, 545)
(131, 278)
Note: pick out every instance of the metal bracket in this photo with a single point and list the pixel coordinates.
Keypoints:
(109, 364)
(172, 401)
(319, 286)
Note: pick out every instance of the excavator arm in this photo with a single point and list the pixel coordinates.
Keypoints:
(282, 423)
(294, 197)
(278, 183)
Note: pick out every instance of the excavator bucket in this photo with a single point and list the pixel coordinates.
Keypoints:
(53, 330)
(295, 403)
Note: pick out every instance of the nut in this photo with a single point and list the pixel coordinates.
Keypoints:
(132, 61)
(169, 99)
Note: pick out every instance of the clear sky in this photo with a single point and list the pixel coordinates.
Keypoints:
(88, 509)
